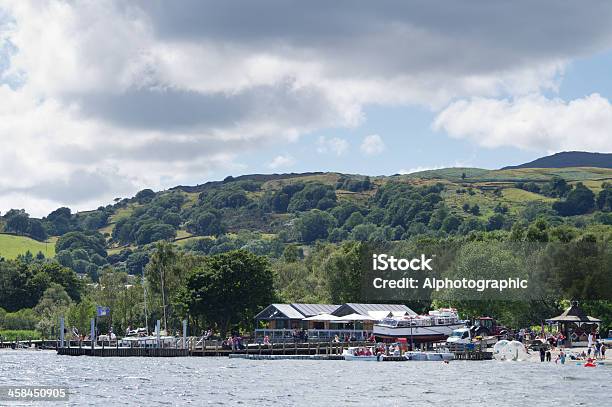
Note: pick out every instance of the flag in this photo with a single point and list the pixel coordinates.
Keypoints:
(102, 311)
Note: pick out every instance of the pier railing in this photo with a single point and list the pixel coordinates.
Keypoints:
(324, 335)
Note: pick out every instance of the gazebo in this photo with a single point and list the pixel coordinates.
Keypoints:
(576, 325)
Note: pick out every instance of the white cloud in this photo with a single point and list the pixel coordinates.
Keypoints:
(532, 122)
(372, 145)
(419, 169)
(334, 145)
(281, 161)
(107, 88)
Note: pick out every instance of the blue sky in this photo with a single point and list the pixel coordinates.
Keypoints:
(104, 98)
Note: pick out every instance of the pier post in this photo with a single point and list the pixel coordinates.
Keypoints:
(157, 332)
(184, 334)
(92, 333)
(62, 332)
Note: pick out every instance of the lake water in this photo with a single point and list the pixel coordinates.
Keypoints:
(223, 381)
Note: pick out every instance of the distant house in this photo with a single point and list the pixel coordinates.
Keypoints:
(324, 321)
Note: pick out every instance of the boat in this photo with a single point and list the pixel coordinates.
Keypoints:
(437, 325)
(360, 353)
(138, 338)
(429, 356)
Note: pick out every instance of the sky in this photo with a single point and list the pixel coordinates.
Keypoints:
(99, 99)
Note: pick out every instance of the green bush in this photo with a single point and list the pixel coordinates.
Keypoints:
(19, 335)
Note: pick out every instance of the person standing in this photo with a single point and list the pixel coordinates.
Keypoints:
(561, 357)
(542, 353)
(603, 351)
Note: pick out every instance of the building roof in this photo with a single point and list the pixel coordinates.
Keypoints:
(372, 309)
(279, 311)
(308, 310)
(574, 314)
(301, 311)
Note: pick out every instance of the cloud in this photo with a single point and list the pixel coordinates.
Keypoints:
(281, 161)
(161, 94)
(372, 145)
(420, 169)
(334, 145)
(531, 122)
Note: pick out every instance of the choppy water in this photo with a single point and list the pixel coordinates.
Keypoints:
(223, 381)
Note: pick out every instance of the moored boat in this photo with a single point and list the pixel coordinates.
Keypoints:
(435, 326)
(360, 353)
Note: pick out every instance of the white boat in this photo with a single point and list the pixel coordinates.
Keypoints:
(360, 353)
(138, 338)
(429, 356)
(147, 341)
(435, 326)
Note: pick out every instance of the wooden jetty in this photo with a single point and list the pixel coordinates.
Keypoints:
(258, 351)
(123, 352)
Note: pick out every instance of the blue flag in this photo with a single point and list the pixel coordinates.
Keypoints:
(102, 311)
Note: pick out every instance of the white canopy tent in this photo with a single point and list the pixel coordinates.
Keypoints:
(356, 317)
(323, 318)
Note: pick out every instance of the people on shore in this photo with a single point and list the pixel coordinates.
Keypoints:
(596, 347)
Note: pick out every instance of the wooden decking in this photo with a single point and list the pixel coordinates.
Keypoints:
(310, 351)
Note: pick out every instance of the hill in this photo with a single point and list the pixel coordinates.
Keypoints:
(264, 212)
(569, 159)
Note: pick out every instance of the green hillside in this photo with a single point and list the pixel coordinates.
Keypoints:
(11, 246)
(267, 209)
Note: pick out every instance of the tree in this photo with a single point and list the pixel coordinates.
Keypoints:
(145, 196)
(79, 315)
(537, 232)
(580, 200)
(604, 198)
(475, 210)
(136, 262)
(344, 270)
(205, 224)
(556, 188)
(53, 304)
(172, 219)
(314, 224)
(153, 232)
(293, 253)
(63, 276)
(163, 275)
(362, 232)
(355, 219)
(228, 289)
(451, 223)
(91, 242)
(59, 221)
(36, 230)
(496, 222)
(17, 221)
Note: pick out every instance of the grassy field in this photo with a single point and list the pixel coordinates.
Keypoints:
(11, 246)
(515, 175)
